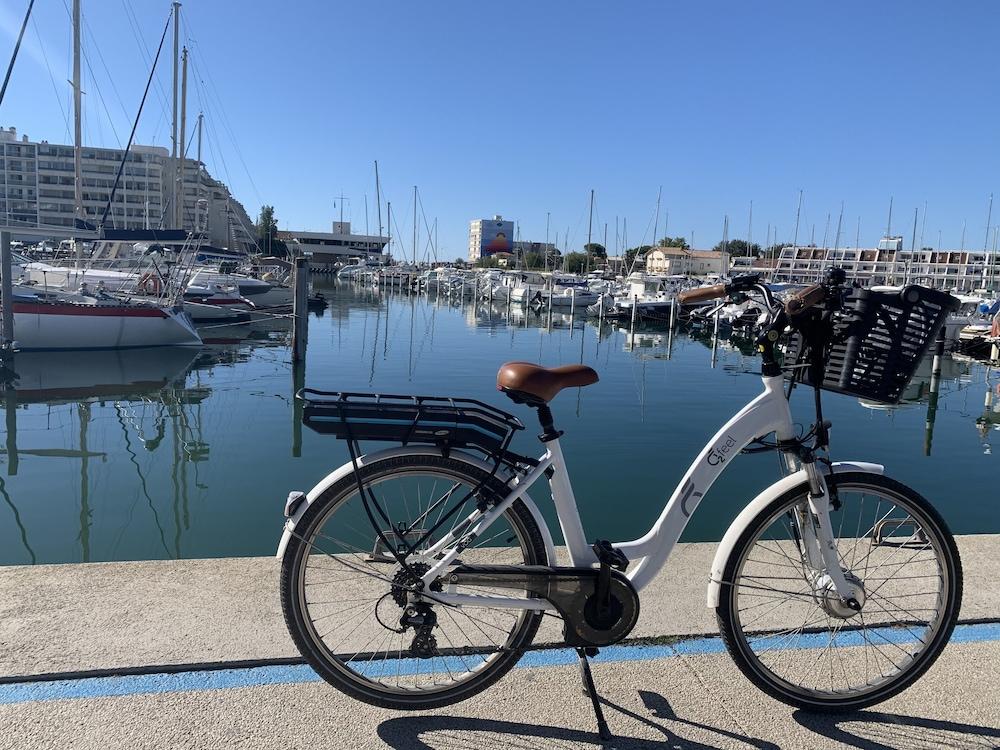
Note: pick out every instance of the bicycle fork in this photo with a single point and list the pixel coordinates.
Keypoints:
(819, 547)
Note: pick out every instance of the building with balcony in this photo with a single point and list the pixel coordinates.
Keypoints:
(37, 190)
(950, 270)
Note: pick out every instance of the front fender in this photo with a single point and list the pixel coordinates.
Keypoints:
(505, 475)
(756, 506)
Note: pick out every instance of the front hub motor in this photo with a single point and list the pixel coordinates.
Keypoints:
(826, 596)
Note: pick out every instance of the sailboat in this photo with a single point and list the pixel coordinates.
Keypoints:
(45, 321)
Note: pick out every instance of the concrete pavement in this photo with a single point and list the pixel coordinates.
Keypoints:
(125, 615)
(678, 702)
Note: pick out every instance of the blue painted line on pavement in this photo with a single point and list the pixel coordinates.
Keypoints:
(222, 679)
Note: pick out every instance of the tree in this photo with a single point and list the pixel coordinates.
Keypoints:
(632, 252)
(674, 242)
(738, 248)
(595, 250)
(487, 261)
(575, 262)
(267, 230)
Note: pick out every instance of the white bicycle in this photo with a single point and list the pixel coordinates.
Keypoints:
(417, 576)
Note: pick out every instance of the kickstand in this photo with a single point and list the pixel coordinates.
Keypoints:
(590, 690)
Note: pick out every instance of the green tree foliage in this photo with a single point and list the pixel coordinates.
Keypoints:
(487, 262)
(267, 229)
(634, 251)
(575, 262)
(595, 250)
(674, 242)
(738, 248)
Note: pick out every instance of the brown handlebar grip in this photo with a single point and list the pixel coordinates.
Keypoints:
(702, 294)
(805, 299)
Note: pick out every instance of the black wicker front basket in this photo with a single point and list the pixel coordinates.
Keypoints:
(878, 340)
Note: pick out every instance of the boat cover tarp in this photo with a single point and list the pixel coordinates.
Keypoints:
(145, 235)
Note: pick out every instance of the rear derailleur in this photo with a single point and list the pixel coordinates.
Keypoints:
(422, 619)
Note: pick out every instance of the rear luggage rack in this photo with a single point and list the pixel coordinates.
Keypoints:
(427, 420)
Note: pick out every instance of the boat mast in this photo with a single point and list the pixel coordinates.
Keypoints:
(590, 227)
(798, 214)
(173, 134)
(888, 234)
(179, 203)
(836, 240)
(378, 200)
(656, 216)
(197, 203)
(986, 258)
(415, 228)
(545, 253)
(78, 214)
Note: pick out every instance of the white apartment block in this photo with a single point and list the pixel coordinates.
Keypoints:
(950, 270)
(490, 228)
(37, 190)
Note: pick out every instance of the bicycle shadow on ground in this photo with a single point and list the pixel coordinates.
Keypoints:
(874, 730)
(470, 733)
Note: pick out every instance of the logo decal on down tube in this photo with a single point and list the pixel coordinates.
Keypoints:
(688, 492)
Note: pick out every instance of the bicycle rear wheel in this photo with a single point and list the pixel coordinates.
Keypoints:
(344, 594)
(787, 629)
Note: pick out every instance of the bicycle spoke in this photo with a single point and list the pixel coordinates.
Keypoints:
(812, 641)
(364, 608)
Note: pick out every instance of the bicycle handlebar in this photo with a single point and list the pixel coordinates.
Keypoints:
(805, 299)
(702, 294)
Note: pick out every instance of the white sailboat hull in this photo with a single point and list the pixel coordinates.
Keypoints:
(66, 327)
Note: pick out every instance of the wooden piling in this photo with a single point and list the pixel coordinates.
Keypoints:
(300, 309)
(7, 292)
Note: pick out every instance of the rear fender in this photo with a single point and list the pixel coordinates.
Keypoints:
(756, 506)
(505, 475)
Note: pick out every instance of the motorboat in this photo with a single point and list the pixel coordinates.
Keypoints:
(216, 305)
(648, 295)
(264, 293)
(579, 297)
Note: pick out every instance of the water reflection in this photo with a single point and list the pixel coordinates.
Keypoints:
(145, 404)
(172, 453)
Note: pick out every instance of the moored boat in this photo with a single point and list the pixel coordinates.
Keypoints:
(71, 322)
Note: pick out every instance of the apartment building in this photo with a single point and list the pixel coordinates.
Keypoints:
(37, 189)
(951, 270)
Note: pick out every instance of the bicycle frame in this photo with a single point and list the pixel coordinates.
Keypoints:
(768, 413)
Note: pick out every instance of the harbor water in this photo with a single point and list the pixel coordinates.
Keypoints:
(180, 453)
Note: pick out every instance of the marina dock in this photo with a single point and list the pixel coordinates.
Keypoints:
(194, 654)
(454, 438)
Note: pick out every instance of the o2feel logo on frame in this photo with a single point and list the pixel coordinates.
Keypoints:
(722, 452)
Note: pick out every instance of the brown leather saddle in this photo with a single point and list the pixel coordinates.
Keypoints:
(527, 383)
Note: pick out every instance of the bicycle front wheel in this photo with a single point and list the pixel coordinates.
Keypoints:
(786, 627)
(346, 599)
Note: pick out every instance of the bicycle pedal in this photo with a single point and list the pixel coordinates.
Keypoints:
(608, 555)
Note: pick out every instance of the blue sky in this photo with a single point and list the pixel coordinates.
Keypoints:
(521, 108)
